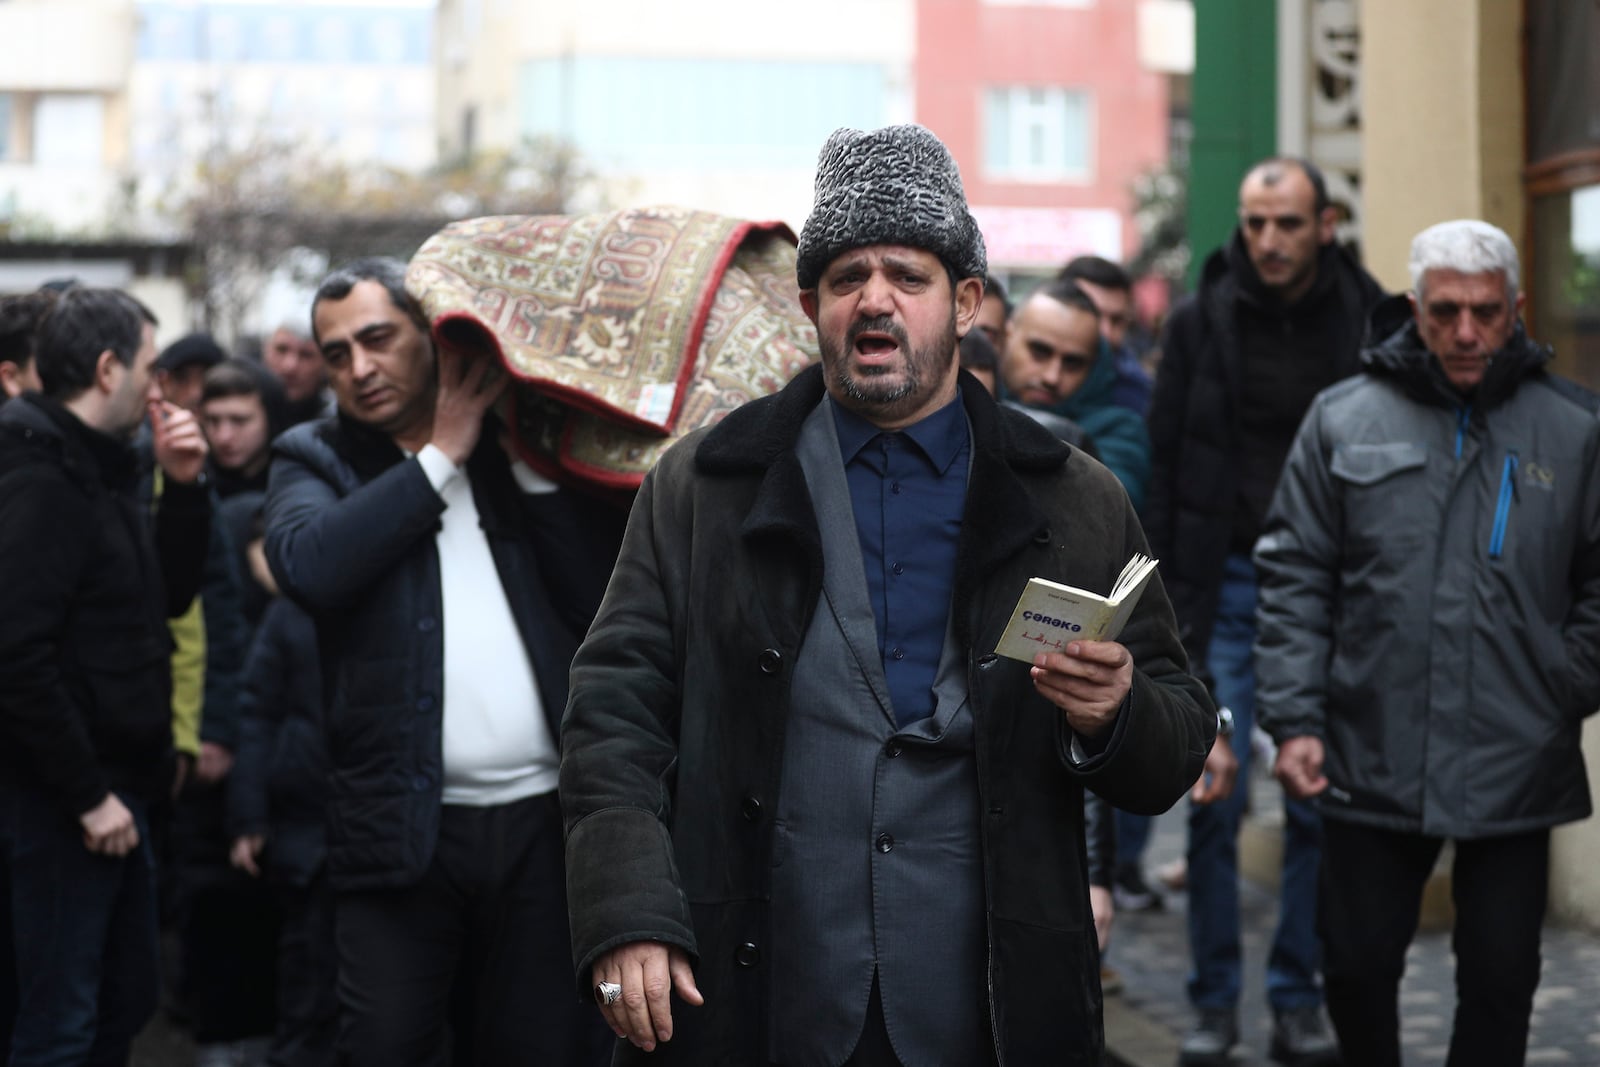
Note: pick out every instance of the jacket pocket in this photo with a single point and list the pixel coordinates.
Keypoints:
(1366, 465)
(1384, 496)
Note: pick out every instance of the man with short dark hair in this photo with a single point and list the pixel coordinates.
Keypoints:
(1277, 317)
(994, 313)
(242, 407)
(19, 322)
(1430, 640)
(802, 793)
(450, 585)
(85, 723)
(1109, 286)
(1056, 361)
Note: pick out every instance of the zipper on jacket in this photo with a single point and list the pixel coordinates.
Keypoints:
(1463, 419)
(1502, 510)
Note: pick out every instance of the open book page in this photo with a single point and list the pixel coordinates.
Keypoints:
(1049, 615)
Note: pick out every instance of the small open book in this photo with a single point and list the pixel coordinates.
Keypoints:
(1049, 615)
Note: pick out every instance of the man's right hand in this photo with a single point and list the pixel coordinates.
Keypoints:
(468, 388)
(649, 972)
(246, 852)
(1217, 779)
(1299, 767)
(109, 829)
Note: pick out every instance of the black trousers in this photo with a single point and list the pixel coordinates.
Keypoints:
(308, 973)
(480, 943)
(1372, 882)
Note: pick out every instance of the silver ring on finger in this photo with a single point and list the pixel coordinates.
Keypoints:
(607, 993)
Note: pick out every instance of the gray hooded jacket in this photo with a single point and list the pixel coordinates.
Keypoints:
(1430, 592)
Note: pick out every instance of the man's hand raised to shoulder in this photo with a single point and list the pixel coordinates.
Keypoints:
(177, 441)
(648, 972)
(468, 387)
(1089, 682)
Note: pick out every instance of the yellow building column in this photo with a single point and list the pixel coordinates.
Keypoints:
(1441, 124)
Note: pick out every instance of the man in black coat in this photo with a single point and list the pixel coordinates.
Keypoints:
(450, 585)
(85, 718)
(803, 794)
(1278, 316)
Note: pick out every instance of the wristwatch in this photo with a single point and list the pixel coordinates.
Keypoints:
(1224, 721)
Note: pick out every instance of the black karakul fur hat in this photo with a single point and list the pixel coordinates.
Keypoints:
(894, 186)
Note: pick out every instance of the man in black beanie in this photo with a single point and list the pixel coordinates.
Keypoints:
(801, 791)
(181, 369)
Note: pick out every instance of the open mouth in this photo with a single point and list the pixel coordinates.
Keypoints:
(876, 347)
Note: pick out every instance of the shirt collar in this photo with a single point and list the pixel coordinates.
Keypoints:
(940, 436)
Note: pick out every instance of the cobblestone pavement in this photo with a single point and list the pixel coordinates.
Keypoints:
(1151, 952)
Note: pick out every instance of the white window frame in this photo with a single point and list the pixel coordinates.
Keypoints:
(1029, 111)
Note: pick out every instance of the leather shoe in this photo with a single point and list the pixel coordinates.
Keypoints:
(1301, 1039)
(1208, 1043)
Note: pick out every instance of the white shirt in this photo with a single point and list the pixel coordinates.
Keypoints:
(497, 744)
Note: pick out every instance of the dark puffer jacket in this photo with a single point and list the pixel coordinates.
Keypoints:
(279, 784)
(350, 536)
(1189, 511)
(1430, 593)
(85, 684)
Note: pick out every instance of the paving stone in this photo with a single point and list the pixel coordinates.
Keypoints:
(1151, 950)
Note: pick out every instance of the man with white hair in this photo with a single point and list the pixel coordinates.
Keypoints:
(1429, 640)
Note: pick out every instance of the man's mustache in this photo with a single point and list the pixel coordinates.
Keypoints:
(877, 324)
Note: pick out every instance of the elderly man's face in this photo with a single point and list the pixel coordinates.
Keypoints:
(1049, 352)
(380, 364)
(295, 362)
(888, 325)
(1464, 319)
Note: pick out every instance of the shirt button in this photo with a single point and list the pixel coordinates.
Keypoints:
(747, 954)
(421, 783)
(750, 807)
(771, 661)
(898, 653)
(892, 750)
(894, 487)
(426, 624)
(899, 568)
(425, 703)
(884, 843)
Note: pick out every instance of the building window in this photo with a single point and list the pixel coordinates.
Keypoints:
(1037, 134)
(682, 114)
(68, 130)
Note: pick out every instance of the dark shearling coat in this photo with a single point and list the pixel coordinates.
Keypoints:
(673, 738)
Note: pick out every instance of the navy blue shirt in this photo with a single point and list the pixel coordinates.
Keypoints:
(908, 490)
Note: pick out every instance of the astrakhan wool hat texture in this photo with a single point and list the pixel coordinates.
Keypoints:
(894, 186)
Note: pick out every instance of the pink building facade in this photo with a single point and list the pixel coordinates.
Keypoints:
(1050, 115)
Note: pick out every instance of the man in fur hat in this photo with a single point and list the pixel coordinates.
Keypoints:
(802, 793)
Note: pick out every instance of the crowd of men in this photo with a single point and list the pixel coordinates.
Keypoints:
(424, 757)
